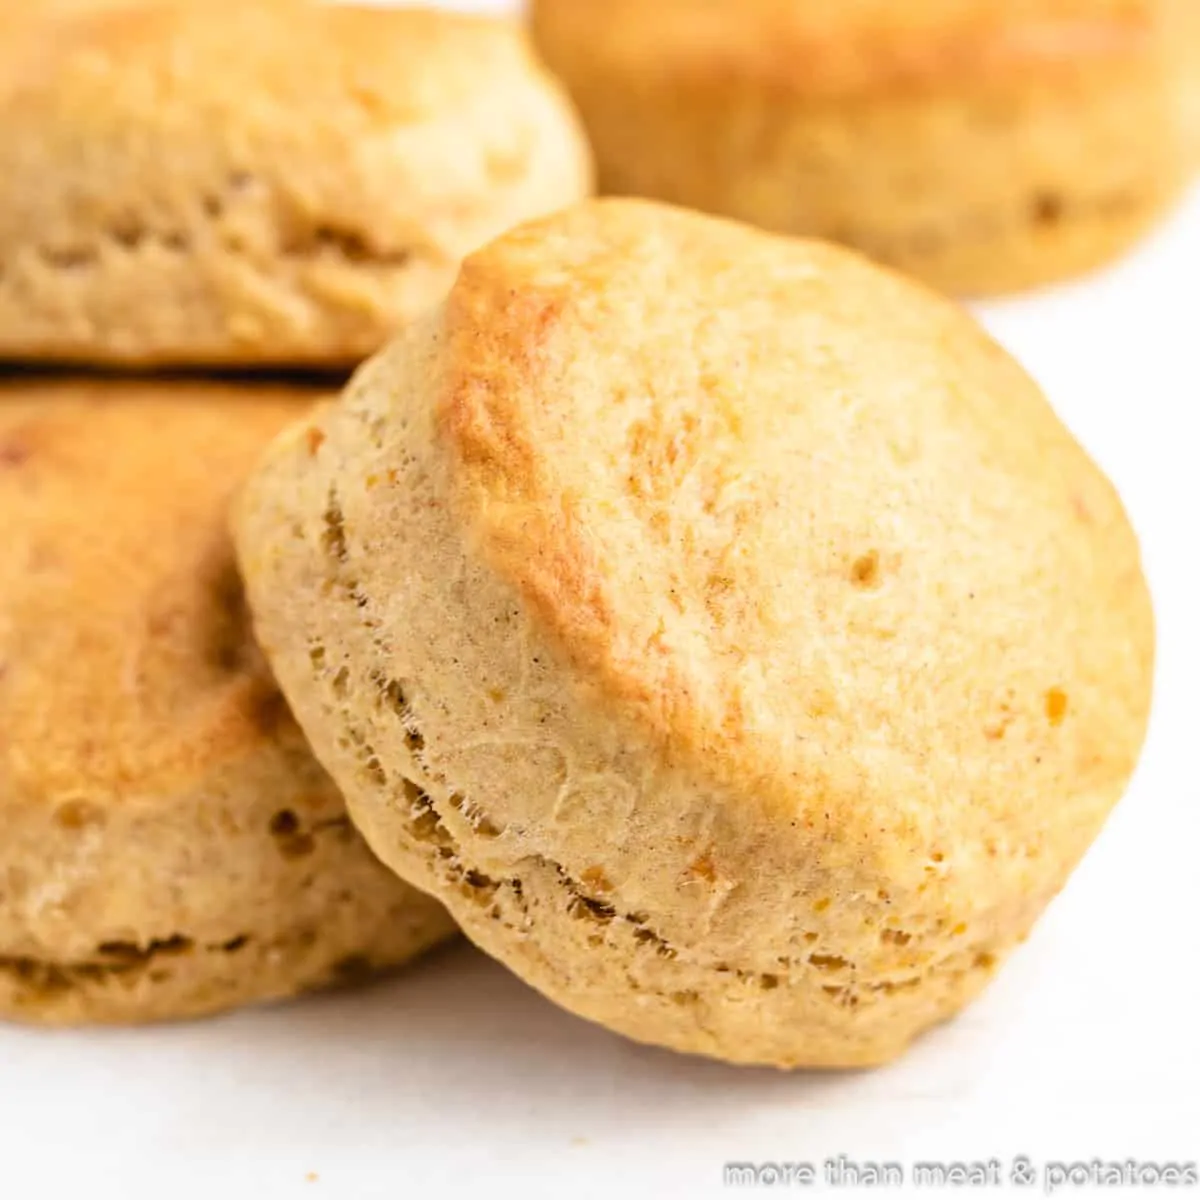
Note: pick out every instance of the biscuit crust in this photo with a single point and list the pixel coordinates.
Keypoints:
(268, 183)
(725, 628)
(170, 845)
(983, 147)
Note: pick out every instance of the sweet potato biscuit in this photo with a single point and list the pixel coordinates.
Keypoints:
(982, 146)
(259, 183)
(725, 628)
(170, 845)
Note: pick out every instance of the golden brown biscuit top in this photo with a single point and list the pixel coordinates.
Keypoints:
(845, 47)
(802, 518)
(125, 658)
(241, 62)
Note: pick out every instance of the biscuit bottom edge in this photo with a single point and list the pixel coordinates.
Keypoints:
(1061, 240)
(613, 969)
(178, 977)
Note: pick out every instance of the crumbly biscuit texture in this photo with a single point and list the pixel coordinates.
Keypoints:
(170, 845)
(724, 627)
(276, 182)
(982, 147)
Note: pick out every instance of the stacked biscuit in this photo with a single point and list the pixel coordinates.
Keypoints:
(724, 628)
(718, 628)
(982, 145)
(194, 185)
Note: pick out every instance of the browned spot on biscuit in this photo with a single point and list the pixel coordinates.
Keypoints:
(704, 867)
(1056, 706)
(1047, 208)
(313, 439)
(864, 572)
(14, 453)
(595, 877)
(77, 814)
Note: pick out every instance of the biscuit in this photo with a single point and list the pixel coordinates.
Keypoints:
(723, 627)
(265, 183)
(170, 847)
(983, 147)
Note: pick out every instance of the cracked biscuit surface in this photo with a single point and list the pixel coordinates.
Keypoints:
(983, 146)
(170, 847)
(261, 183)
(725, 628)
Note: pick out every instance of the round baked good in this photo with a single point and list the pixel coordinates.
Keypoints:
(981, 146)
(262, 183)
(723, 627)
(170, 845)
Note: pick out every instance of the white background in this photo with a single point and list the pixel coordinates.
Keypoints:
(456, 1080)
